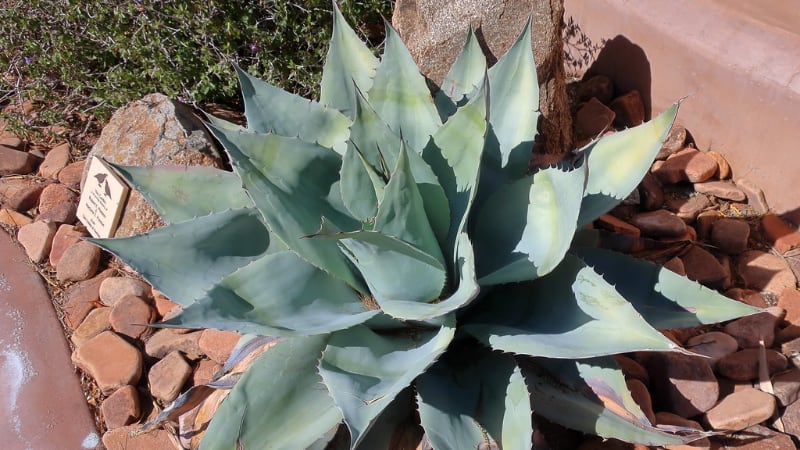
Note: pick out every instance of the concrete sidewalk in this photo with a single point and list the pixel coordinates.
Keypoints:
(41, 401)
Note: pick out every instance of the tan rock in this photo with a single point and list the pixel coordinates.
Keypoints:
(724, 168)
(743, 365)
(13, 218)
(95, 323)
(740, 410)
(721, 189)
(786, 386)
(70, 176)
(115, 288)
(782, 236)
(26, 197)
(110, 360)
(79, 262)
(125, 438)
(37, 238)
(57, 203)
(205, 371)
(765, 272)
(168, 376)
(750, 329)
(81, 298)
(55, 160)
(65, 236)
(757, 437)
(121, 408)
(688, 164)
(130, 316)
(218, 345)
(755, 196)
(165, 341)
(15, 162)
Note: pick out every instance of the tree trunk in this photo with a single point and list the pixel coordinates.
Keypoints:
(434, 31)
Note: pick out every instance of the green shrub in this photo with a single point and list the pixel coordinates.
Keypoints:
(100, 54)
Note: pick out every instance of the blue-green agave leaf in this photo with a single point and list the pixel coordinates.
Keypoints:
(401, 214)
(294, 184)
(464, 402)
(664, 298)
(181, 193)
(467, 72)
(400, 95)
(395, 427)
(212, 243)
(617, 163)
(222, 123)
(569, 313)
(284, 379)
(361, 185)
(455, 154)
(270, 109)
(279, 294)
(365, 371)
(591, 396)
(514, 108)
(524, 229)
(348, 61)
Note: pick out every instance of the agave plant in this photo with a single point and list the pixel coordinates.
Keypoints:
(397, 245)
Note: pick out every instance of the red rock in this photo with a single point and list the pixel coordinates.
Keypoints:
(755, 196)
(682, 384)
(704, 222)
(218, 345)
(786, 386)
(676, 265)
(741, 410)
(748, 330)
(63, 213)
(66, 235)
(130, 316)
(80, 298)
(79, 262)
(790, 348)
(165, 341)
(632, 369)
(791, 419)
(721, 189)
(13, 218)
(789, 300)
(675, 142)
(114, 288)
(12, 142)
(163, 305)
(765, 272)
(651, 193)
(642, 398)
(725, 263)
(747, 296)
(168, 376)
(757, 437)
(611, 223)
(95, 323)
(688, 208)
(659, 223)
(598, 86)
(724, 168)
(57, 158)
(592, 119)
(110, 360)
(688, 164)
(730, 235)
(121, 408)
(15, 162)
(70, 176)
(57, 204)
(743, 365)
(597, 443)
(669, 419)
(123, 439)
(27, 197)
(628, 109)
(782, 236)
(37, 238)
(703, 267)
(713, 344)
(205, 371)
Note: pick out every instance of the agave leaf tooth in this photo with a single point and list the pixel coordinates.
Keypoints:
(577, 315)
(211, 243)
(279, 294)
(514, 107)
(365, 371)
(455, 154)
(664, 298)
(467, 72)
(591, 396)
(360, 185)
(348, 61)
(401, 213)
(617, 163)
(524, 229)
(183, 192)
(292, 192)
(400, 94)
(270, 109)
(282, 379)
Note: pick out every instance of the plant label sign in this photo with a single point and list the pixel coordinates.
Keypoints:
(103, 196)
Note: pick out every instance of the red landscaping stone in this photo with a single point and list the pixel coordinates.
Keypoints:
(110, 360)
(70, 176)
(743, 365)
(611, 223)
(167, 377)
(80, 298)
(27, 197)
(15, 162)
(12, 142)
(628, 110)
(755, 196)
(65, 236)
(765, 272)
(782, 236)
(55, 160)
(676, 265)
(124, 439)
(166, 341)
(218, 345)
(747, 296)
(13, 218)
(592, 119)
(675, 142)
(682, 384)
(713, 344)
(659, 223)
(598, 86)
(669, 419)
(163, 305)
(79, 262)
(205, 371)
(724, 168)
(703, 267)
(114, 288)
(748, 330)
(642, 398)
(786, 386)
(37, 238)
(95, 323)
(721, 189)
(740, 410)
(688, 164)
(57, 204)
(130, 316)
(730, 235)
(651, 193)
(757, 437)
(632, 369)
(121, 408)
(597, 443)
(688, 208)
(704, 222)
